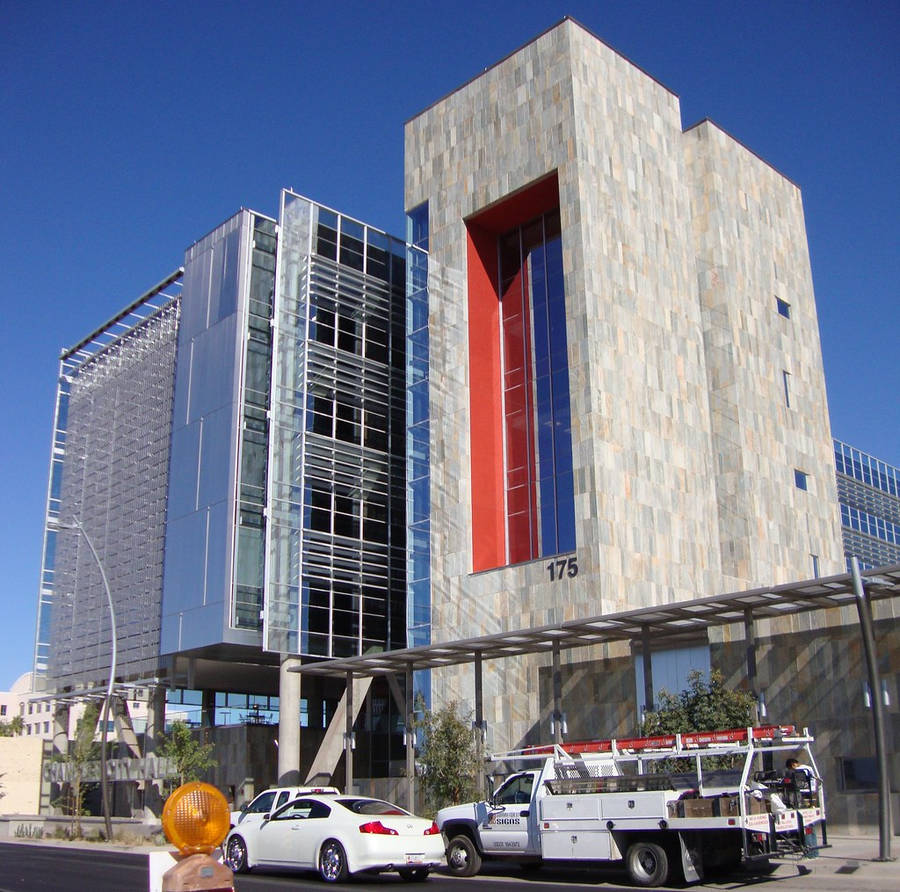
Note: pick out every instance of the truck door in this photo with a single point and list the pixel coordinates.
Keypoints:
(511, 825)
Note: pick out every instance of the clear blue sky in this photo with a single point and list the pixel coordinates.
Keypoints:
(129, 130)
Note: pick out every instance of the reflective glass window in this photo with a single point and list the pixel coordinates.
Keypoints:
(539, 476)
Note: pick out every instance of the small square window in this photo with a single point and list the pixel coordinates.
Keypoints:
(801, 479)
(784, 308)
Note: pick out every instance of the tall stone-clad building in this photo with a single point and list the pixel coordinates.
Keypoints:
(627, 398)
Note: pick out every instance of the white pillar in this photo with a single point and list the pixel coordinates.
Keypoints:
(288, 723)
(153, 737)
(61, 728)
(156, 719)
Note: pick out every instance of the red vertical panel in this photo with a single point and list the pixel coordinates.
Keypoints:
(485, 403)
(504, 508)
(518, 416)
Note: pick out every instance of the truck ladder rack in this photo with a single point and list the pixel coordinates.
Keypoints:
(735, 739)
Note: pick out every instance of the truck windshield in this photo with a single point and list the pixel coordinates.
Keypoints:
(516, 791)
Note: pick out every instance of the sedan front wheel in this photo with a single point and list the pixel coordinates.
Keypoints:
(236, 854)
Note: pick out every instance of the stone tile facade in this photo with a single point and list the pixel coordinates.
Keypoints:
(694, 400)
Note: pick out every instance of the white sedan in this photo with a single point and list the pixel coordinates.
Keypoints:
(338, 835)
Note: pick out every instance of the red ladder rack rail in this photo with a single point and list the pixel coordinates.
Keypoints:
(662, 742)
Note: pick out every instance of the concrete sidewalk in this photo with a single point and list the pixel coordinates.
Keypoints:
(851, 862)
(856, 849)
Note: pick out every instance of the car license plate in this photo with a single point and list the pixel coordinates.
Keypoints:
(415, 859)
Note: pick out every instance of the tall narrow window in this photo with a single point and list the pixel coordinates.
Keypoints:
(786, 379)
(815, 565)
(539, 488)
(523, 503)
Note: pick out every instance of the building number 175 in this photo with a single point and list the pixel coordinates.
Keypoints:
(562, 566)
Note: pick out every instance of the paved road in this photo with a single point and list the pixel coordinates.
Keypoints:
(36, 867)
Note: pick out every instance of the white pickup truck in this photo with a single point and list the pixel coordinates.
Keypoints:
(272, 799)
(653, 802)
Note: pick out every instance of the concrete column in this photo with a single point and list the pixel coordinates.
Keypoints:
(410, 737)
(288, 723)
(348, 737)
(50, 792)
(153, 737)
(208, 709)
(156, 719)
(61, 728)
(752, 666)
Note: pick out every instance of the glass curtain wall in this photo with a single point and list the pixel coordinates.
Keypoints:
(337, 533)
(869, 497)
(418, 460)
(48, 562)
(109, 471)
(248, 587)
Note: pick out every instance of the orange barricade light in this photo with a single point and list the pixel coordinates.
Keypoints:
(195, 820)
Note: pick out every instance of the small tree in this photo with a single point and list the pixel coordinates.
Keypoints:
(82, 750)
(12, 728)
(447, 756)
(191, 757)
(703, 706)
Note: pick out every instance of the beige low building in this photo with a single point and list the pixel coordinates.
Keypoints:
(20, 775)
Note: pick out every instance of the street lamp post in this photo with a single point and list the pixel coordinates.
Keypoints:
(104, 782)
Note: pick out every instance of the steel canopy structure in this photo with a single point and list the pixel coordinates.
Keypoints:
(668, 622)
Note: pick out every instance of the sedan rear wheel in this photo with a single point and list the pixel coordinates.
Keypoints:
(236, 854)
(333, 862)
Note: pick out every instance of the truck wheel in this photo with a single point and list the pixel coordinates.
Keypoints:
(647, 863)
(463, 859)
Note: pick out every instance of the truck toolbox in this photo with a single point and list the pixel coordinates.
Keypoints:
(581, 845)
